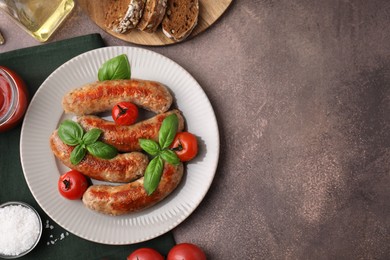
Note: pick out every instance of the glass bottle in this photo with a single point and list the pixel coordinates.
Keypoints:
(39, 18)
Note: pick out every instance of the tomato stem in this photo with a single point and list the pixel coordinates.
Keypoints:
(67, 184)
(178, 148)
(122, 111)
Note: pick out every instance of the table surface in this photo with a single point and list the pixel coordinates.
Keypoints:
(301, 91)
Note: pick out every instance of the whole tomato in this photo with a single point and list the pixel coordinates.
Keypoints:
(124, 113)
(186, 251)
(72, 185)
(145, 254)
(185, 146)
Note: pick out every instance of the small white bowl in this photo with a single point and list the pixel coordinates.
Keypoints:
(18, 203)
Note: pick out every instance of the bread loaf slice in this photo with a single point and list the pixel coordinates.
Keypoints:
(115, 12)
(124, 15)
(180, 19)
(154, 12)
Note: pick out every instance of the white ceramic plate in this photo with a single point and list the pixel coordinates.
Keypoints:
(42, 170)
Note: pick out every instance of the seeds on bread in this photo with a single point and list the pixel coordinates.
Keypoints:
(180, 19)
(132, 16)
(176, 17)
(123, 16)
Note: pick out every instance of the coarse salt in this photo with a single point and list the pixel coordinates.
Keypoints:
(19, 229)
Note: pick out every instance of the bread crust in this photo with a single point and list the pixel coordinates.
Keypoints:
(124, 15)
(132, 16)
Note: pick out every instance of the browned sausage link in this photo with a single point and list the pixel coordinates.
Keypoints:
(103, 95)
(131, 197)
(122, 168)
(125, 138)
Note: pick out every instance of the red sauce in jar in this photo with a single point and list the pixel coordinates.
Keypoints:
(5, 96)
(13, 99)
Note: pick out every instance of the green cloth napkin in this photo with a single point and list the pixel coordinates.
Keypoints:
(34, 65)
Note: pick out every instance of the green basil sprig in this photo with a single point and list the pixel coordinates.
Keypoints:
(71, 133)
(161, 152)
(115, 68)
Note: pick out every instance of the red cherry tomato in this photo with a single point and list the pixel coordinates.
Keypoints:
(72, 185)
(124, 113)
(145, 254)
(185, 146)
(186, 251)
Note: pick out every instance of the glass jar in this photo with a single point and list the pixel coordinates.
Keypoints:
(13, 99)
(39, 18)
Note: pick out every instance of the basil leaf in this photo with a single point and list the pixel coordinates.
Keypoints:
(168, 131)
(153, 174)
(149, 146)
(91, 136)
(77, 154)
(102, 150)
(115, 68)
(170, 157)
(70, 132)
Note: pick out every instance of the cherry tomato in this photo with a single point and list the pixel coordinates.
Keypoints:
(186, 251)
(124, 113)
(72, 185)
(145, 254)
(185, 146)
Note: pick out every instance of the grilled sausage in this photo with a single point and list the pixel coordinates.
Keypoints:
(103, 95)
(125, 138)
(122, 168)
(131, 197)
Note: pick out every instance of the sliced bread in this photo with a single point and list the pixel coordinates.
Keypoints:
(180, 19)
(115, 12)
(124, 15)
(154, 12)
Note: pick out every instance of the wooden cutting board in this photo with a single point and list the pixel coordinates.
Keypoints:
(209, 12)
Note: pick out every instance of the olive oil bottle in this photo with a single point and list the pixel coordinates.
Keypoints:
(39, 18)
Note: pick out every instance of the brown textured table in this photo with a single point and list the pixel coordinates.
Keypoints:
(301, 90)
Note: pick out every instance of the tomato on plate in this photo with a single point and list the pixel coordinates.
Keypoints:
(72, 185)
(186, 251)
(185, 146)
(145, 254)
(124, 113)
